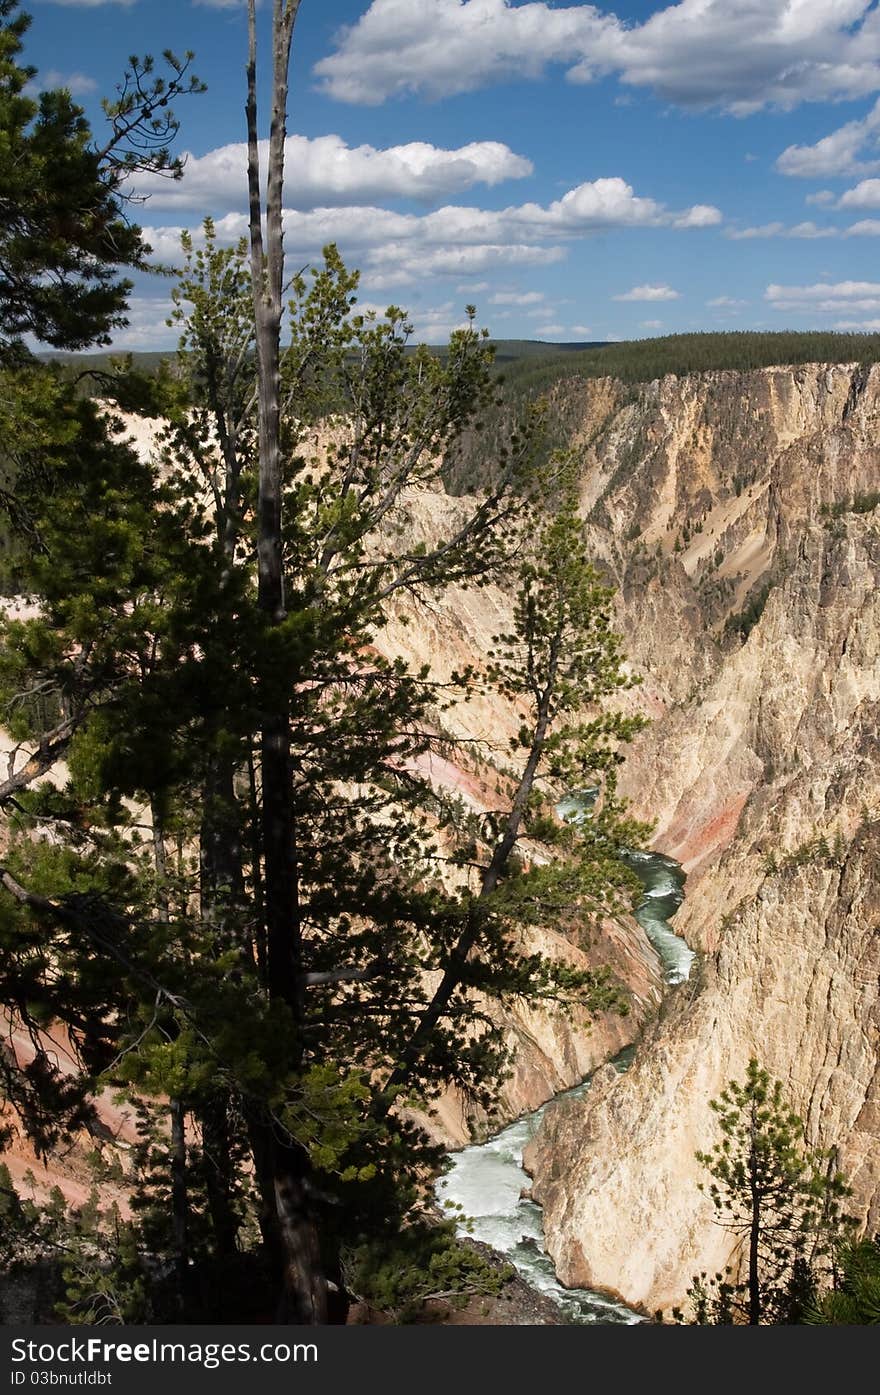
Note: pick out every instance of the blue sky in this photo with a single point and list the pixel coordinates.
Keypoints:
(577, 171)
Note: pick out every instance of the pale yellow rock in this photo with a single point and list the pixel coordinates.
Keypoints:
(756, 750)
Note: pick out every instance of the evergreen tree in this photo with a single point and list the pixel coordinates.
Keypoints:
(854, 1298)
(242, 907)
(781, 1199)
(63, 233)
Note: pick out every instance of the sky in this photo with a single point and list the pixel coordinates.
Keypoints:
(578, 172)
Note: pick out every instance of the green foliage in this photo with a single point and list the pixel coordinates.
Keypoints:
(141, 925)
(813, 852)
(854, 1299)
(400, 1273)
(746, 619)
(63, 231)
(783, 1201)
(856, 503)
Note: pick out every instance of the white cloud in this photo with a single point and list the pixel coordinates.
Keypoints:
(582, 331)
(739, 55)
(146, 328)
(77, 84)
(455, 240)
(837, 154)
(764, 230)
(550, 331)
(864, 195)
(808, 231)
(438, 47)
(431, 324)
(859, 326)
(725, 302)
(822, 198)
(650, 324)
(811, 230)
(866, 227)
(649, 293)
(826, 298)
(822, 289)
(326, 171)
(516, 298)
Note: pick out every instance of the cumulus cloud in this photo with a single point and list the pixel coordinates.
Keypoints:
(147, 326)
(826, 298)
(865, 195)
(866, 227)
(808, 230)
(739, 55)
(650, 324)
(649, 293)
(837, 154)
(822, 198)
(725, 302)
(327, 171)
(550, 331)
(455, 240)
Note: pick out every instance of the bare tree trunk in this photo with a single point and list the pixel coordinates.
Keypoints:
(754, 1239)
(179, 1202)
(305, 1290)
(179, 1194)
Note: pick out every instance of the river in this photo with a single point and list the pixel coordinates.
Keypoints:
(487, 1180)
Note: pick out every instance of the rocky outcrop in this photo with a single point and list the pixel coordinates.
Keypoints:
(762, 771)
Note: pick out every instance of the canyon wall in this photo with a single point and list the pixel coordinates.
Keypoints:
(737, 514)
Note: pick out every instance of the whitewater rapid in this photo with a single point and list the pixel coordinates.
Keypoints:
(486, 1183)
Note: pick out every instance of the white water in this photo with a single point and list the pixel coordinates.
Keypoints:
(663, 882)
(486, 1181)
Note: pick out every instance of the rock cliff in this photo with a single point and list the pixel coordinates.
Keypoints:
(738, 515)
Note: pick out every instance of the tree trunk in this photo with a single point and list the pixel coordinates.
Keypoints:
(754, 1238)
(214, 1119)
(179, 1194)
(179, 1203)
(304, 1286)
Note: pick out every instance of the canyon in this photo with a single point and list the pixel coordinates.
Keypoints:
(760, 770)
(736, 514)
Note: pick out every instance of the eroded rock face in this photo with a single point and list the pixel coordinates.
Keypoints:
(761, 769)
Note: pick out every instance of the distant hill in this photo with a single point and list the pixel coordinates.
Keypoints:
(534, 364)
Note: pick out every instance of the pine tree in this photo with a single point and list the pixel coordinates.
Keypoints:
(781, 1199)
(63, 233)
(244, 891)
(854, 1298)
